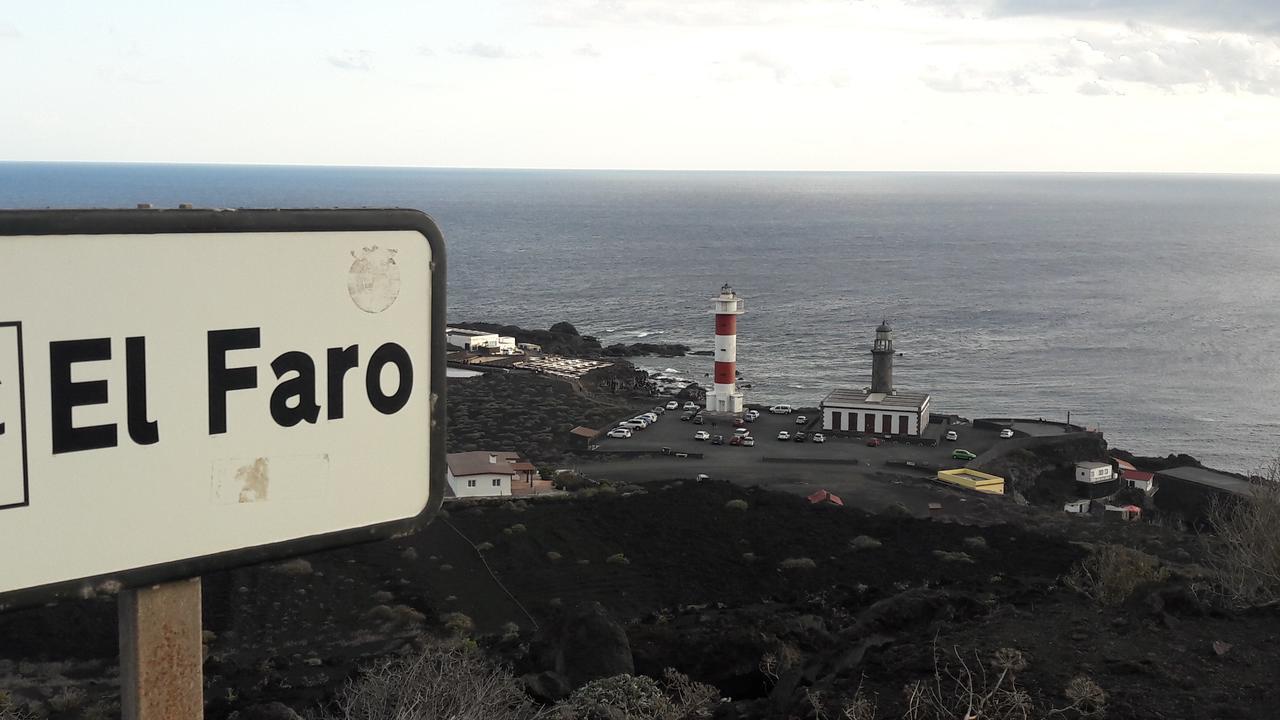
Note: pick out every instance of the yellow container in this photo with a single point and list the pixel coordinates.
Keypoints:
(973, 480)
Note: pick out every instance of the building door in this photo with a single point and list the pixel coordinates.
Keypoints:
(869, 423)
(886, 423)
(902, 424)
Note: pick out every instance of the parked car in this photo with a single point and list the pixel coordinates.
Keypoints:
(748, 441)
(717, 439)
(697, 419)
(673, 405)
(735, 440)
(652, 417)
(741, 431)
(630, 425)
(951, 435)
(659, 410)
(801, 420)
(753, 414)
(686, 417)
(702, 435)
(690, 405)
(962, 455)
(784, 435)
(799, 437)
(1006, 433)
(874, 442)
(619, 432)
(749, 418)
(642, 421)
(819, 438)
(780, 409)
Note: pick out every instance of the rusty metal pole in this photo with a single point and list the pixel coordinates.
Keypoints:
(161, 659)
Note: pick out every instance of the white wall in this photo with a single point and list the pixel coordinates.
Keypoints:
(834, 418)
(484, 486)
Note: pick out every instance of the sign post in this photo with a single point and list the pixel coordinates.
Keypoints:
(186, 391)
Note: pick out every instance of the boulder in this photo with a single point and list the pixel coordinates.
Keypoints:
(592, 645)
(546, 687)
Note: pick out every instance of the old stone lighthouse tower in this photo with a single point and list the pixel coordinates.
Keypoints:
(882, 360)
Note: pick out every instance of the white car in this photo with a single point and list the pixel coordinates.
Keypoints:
(780, 409)
(659, 410)
(631, 425)
(702, 435)
(784, 435)
(818, 438)
(748, 441)
(690, 405)
(651, 417)
(620, 432)
(753, 414)
(741, 432)
(951, 435)
(673, 405)
(800, 419)
(1006, 433)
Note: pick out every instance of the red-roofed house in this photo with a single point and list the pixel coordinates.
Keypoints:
(1144, 481)
(481, 473)
(822, 496)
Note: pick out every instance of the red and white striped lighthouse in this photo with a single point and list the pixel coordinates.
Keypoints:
(724, 396)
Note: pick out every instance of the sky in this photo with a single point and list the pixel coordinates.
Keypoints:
(974, 85)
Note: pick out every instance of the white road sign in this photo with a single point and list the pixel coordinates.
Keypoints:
(188, 390)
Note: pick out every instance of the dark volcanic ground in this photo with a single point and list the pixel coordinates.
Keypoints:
(704, 588)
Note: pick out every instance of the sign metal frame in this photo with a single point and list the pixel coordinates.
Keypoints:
(210, 221)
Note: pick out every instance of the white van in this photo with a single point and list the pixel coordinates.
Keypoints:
(780, 409)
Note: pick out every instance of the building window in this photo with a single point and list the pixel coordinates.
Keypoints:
(471, 483)
(497, 482)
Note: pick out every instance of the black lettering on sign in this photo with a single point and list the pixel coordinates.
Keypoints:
(389, 354)
(340, 360)
(65, 395)
(302, 387)
(141, 430)
(222, 379)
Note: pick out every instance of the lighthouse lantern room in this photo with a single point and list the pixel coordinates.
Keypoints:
(724, 396)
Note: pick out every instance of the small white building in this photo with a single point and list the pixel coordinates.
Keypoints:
(1138, 480)
(1093, 473)
(481, 474)
(1078, 507)
(473, 340)
(897, 413)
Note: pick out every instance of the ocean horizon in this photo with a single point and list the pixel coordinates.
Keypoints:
(1144, 305)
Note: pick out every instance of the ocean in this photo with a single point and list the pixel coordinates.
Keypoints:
(1146, 306)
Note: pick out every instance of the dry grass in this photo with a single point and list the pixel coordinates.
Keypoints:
(963, 688)
(1111, 573)
(453, 683)
(1243, 555)
(801, 563)
(636, 697)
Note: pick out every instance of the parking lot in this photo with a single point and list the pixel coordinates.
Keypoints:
(677, 435)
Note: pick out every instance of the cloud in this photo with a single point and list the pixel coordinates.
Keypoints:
(1095, 88)
(678, 13)
(359, 60)
(9, 32)
(484, 50)
(1256, 17)
(1176, 62)
(426, 51)
(587, 50)
(778, 69)
(974, 80)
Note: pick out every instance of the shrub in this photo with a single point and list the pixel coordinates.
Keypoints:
(440, 683)
(458, 623)
(1244, 557)
(1112, 572)
(802, 563)
(736, 504)
(518, 528)
(484, 546)
(864, 542)
(636, 697)
(554, 556)
(617, 559)
(948, 556)
(976, 542)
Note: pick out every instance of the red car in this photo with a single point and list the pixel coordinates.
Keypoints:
(873, 442)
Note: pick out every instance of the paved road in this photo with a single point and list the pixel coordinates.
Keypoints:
(861, 475)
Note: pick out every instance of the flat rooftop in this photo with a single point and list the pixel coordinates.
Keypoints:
(1209, 478)
(901, 399)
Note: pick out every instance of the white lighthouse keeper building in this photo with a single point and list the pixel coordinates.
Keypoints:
(881, 408)
(724, 396)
